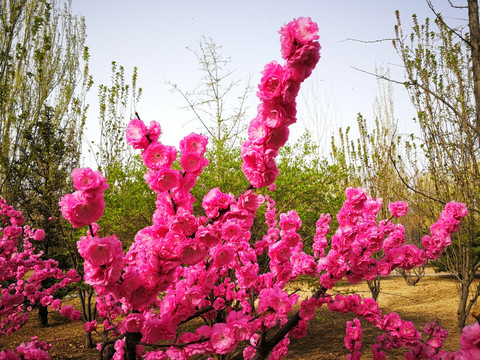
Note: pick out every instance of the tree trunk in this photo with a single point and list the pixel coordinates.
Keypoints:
(374, 286)
(88, 340)
(131, 341)
(462, 304)
(473, 24)
(43, 316)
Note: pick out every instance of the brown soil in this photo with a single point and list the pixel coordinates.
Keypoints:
(432, 299)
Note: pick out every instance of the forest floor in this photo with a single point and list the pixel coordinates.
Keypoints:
(434, 298)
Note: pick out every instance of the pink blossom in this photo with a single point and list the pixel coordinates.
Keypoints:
(457, 210)
(90, 326)
(271, 83)
(162, 180)
(219, 304)
(80, 211)
(192, 161)
(307, 309)
(276, 299)
(158, 156)
(290, 221)
(56, 304)
(67, 311)
(191, 252)
(137, 134)
(39, 235)
(222, 338)
(277, 113)
(156, 329)
(290, 90)
(277, 137)
(356, 197)
(209, 236)
(250, 201)
(398, 208)
(154, 131)
(231, 232)
(86, 179)
(8, 300)
(119, 347)
(46, 300)
(223, 255)
(303, 61)
(32, 351)
(297, 33)
(215, 200)
(470, 340)
(133, 322)
(258, 132)
(101, 251)
(194, 143)
(299, 331)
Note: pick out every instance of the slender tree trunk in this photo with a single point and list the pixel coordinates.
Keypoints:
(88, 340)
(374, 286)
(473, 24)
(43, 316)
(462, 304)
(131, 341)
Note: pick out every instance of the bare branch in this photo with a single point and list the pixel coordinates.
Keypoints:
(440, 18)
(368, 41)
(424, 88)
(191, 106)
(457, 6)
(415, 190)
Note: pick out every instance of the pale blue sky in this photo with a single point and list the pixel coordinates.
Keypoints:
(154, 35)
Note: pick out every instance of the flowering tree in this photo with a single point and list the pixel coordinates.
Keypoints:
(21, 277)
(183, 269)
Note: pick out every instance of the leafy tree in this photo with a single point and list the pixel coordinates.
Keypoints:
(125, 170)
(442, 69)
(43, 81)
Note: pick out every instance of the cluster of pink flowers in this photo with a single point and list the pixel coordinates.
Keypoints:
(469, 343)
(207, 266)
(34, 350)
(86, 205)
(278, 90)
(353, 339)
(21, 276)
(359, 237)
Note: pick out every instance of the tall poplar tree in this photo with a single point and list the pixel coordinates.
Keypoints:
(43, 82)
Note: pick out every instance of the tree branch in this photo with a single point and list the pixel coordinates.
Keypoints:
(368, 41)
(440, 18)
(424, 88)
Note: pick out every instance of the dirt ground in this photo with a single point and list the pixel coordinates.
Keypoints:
(434, 298)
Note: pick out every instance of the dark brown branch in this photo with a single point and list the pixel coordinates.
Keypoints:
(197, 314)
(266, 346)
(440, 18)
(456, 6)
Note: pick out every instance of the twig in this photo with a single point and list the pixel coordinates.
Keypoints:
(440, 18)
(368, 41)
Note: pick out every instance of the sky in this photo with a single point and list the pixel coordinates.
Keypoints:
(155, 36)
